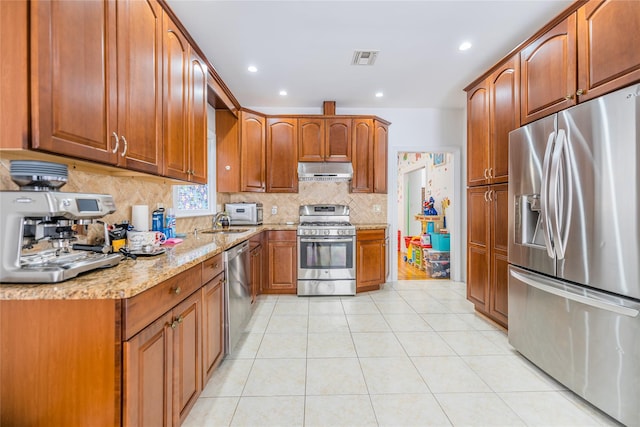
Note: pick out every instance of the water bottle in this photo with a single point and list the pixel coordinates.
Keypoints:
(170, 229)
(157, 219)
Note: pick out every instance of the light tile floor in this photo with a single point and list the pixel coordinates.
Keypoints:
(412, 354)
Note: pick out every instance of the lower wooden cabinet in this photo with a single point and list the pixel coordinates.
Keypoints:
(487, 241)
(371, 259)
(282, 263)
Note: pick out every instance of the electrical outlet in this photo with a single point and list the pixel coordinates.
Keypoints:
(274, 210)
(377, 208)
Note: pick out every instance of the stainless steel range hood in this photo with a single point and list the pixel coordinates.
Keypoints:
(327, 171)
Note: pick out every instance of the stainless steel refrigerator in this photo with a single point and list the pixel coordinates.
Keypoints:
(574, 251)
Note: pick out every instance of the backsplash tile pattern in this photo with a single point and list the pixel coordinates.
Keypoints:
(361, 205)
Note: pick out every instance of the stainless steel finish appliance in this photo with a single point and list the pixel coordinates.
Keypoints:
(574, 231)
(326, 251)
(327, 171)
(39, 225)
(244, 213)
(237, 293)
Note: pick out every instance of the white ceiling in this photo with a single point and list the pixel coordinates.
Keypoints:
(306, 47)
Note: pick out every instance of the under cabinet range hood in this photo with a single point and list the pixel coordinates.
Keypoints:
(325, 171)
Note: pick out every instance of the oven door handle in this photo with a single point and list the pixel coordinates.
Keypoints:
(330, 240)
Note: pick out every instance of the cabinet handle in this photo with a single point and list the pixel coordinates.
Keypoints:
(486, 196)
(491, 195)
(490, 172)
(581, 92)
(177, 290)
(126, 145)
(115, 149)
(485, 173)
(569, 97)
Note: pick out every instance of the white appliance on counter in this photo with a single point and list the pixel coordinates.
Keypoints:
(244, 213)
(574, 249)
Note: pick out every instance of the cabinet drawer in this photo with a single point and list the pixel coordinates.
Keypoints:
(282, 235)
(142, 309)
(370, 234)
(212, 267)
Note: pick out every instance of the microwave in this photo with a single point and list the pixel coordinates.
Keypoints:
(244, 213)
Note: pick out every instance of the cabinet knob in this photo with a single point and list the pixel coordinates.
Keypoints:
(179, 319)
(227, 168)
(126, 145)
(115, 149)
(569, 97)
(581, 92)
(173, 324)
(177, 290)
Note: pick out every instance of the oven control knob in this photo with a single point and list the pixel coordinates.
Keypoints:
(327, 232)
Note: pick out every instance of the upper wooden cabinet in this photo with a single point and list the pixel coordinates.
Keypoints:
(380, 160)
(323, 139)
(608, 40)
(369, 156)
(282, 155)
(492, 112)
(185, 108)
(548, 67)
(96, 87)
(227, 152)
(253, 147)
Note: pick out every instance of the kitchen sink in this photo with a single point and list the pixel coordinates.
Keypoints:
(223, 230)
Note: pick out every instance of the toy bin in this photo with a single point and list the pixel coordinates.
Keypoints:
(440, 242)
(438, 269)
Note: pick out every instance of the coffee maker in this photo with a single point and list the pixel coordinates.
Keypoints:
(39, 226)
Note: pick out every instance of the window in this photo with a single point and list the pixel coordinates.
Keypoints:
(197, 199)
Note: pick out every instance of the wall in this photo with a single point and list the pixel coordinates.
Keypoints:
(362, 206)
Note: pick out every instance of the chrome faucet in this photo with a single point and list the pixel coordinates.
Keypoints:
(221, 220)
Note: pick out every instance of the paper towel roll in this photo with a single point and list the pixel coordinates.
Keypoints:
(140, 217)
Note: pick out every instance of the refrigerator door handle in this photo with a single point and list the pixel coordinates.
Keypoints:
(544, 196)
(539, 283)
(557, 205)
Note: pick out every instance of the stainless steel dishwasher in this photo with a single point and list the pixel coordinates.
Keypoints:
(237, 294)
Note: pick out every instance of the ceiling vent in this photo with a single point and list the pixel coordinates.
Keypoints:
(364, 57)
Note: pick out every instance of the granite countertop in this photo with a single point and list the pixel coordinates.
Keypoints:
(132, 277)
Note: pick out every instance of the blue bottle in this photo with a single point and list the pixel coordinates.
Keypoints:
(170, 228)
(157, 219)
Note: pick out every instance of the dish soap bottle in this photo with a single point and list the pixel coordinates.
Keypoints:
(170, 229)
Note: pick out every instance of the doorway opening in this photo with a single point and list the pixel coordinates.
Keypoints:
(425, 192)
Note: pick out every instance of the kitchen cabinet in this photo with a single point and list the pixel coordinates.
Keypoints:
(487, 241)
(185, 108)
(608, 57)
(282, 155)
(257, 266)
(322, 139)
(588, 54)
(371, 259)
(369, 156)
(253, 151)
(282, 263)
(227, 152)
(492, 112)
(95, 88)
(549, 66)
(212, 325)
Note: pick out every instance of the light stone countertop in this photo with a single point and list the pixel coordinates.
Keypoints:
(132, 277)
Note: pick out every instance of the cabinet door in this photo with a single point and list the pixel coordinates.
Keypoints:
(198, 142)
(478, 134)
(499, 283)
(148, 376)
(227, 152)
(176, 78)
(370, 260)
(74, 79)
(187, 351)
(380, 140)
(504, 108)
(252, 143)
(362, 159)
(212, 326)
(478, 246)
(282, 155)
(140, 85)
(608, 40)
(311, 140)
(548, 67)
(282, 262)
(338, 140)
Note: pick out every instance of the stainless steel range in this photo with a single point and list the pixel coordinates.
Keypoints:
(326, 251)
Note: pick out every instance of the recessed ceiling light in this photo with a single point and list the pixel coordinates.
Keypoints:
(379, 94)
(464, 46)
(283, 93)
(252, 69)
